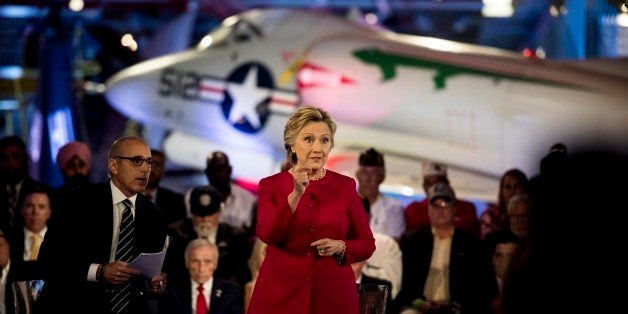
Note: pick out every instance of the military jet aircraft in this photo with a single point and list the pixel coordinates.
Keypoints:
(479, 110)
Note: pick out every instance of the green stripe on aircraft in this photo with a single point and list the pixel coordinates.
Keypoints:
(388, 62)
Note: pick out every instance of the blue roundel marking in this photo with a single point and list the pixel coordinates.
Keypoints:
(264, 80)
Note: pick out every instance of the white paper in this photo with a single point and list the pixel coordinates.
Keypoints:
(150, 264)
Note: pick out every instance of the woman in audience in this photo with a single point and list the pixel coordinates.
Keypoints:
(495, 216)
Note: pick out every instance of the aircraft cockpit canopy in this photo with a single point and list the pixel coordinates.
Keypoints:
(238, 31)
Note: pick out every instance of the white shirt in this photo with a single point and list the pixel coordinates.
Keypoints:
(388, 217)
(3, 287)
(386, 262)
(238, 210)
(118, 207)
(437, 282)
(207, 290)
(117, 197)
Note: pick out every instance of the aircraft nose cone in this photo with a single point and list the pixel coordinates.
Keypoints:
(131, 91)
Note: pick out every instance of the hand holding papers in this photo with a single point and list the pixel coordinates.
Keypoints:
(150, 264)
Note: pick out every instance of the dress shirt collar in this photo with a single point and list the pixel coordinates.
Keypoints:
(17, 186)
(207, 291)
(118, 196)
(5, 273)
(28, 233)
(207, 286)
(448, 235)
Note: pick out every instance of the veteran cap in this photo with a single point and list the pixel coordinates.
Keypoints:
(205, 200)
(441, 190)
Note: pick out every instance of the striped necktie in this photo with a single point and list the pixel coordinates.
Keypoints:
(125, 251)
(11, 202)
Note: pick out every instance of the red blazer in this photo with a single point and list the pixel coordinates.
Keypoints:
(293, 278)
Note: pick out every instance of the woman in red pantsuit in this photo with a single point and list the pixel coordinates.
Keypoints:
(314, 224)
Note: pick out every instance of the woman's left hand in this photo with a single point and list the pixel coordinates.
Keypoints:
(328, 247)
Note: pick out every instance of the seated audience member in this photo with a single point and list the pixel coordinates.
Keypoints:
(255, 261)
(577, 235)
(519, 209)
(556, 162)
(199, 291)
(74, 159)
(6, 295)
(385, 263)
(15, 182)
(206, 207)
(495, 216)
(505, 248)
(416, 212)
(387, 213)
(17, 295)
(362, 279)
(36, 212)
(169, 201)
(444, 269)
(240, 204)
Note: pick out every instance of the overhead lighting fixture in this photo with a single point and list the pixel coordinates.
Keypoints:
(19, 11)
(11, 72)
(76, 5)
(497, 8)
(129, 42)
(371, 18)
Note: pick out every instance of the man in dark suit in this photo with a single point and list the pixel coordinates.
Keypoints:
(96, 232)
(233, 243)
(191, 295)
(6, 294)
(15, 182)
(36, 211)
(444, 268)
(169, 201)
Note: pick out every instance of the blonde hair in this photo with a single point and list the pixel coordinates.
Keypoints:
(298, 120)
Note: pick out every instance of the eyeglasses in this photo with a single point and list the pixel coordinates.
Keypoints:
(138, 161)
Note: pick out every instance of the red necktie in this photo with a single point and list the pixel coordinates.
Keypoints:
(201, 303)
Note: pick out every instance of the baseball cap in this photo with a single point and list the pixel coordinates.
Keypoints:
(431, 168)
(205, 200)
(441, 190)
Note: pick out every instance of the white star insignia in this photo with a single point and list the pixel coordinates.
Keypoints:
(246, 97)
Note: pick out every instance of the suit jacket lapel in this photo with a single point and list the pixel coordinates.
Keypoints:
(105, 211)
(215, 305)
